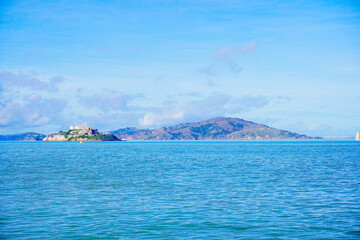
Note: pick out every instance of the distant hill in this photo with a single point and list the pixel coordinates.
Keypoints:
(30, 136)
(220, 128)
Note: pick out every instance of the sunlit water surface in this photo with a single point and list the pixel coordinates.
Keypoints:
(176, 190)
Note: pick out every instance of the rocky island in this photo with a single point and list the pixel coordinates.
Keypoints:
(80, 133)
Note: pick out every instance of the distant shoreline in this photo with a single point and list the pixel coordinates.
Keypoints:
(214, 140)
(215, 129)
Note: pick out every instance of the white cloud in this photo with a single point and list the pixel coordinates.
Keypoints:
(228, 52)
(108, 100)
(23, 101)
(33, 111)
(158, 119)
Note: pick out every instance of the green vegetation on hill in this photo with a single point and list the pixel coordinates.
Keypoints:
(69, 132)
(96, 137)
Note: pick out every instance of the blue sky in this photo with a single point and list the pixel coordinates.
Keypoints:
(292, 65)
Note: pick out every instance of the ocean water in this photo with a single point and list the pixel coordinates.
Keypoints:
(180, 190)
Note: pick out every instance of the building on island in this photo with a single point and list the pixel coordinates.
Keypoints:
(79, 127)
(81, 133)
(74, 131)
(85, 130)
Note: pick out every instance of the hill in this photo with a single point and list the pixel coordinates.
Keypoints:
(30, 136)
(220, 128)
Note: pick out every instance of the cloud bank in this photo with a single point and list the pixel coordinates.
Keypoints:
(32, 112)
(28, 101)
(24, 104)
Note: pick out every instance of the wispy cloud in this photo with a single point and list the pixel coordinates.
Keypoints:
(22, 80)
(247, 103)
(225, 58)
(211, 106)
(107, 100)
(283, 98)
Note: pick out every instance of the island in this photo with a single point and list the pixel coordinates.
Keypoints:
(80, 133)
(219, 128)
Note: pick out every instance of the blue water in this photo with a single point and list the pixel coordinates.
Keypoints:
(176, 190)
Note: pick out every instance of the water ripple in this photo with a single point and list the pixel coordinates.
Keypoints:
(176, 190)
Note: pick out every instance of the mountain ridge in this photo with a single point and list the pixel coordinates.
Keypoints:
(219, 128)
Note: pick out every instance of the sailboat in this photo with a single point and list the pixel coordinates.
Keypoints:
(357, 136)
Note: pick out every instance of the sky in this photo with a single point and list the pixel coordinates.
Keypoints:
(292, 65)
